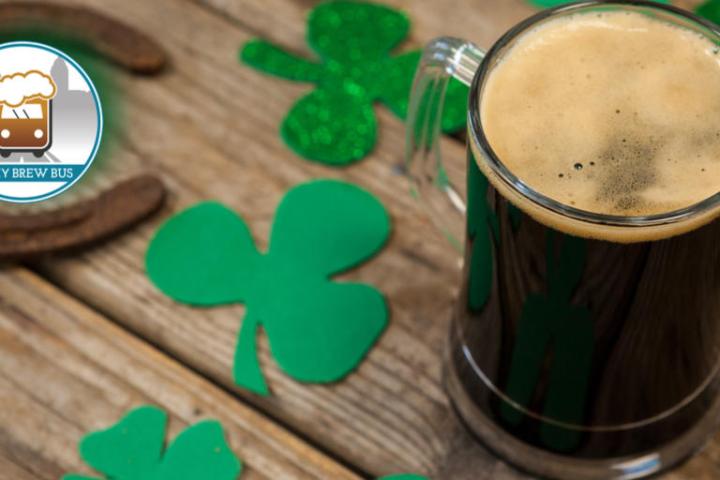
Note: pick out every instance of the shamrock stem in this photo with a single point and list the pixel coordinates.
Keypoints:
(268, 58)
(247, 371)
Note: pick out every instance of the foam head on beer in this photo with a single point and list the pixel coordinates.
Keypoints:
(609, 112)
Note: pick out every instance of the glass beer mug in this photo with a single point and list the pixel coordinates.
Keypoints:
(582, 345)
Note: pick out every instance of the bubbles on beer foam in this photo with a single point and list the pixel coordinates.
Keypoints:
(627, 168)
(614, 113)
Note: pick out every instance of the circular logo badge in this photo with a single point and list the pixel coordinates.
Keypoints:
(50, 122)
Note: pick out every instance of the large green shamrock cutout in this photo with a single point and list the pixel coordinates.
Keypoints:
(133, 449)
(555, 3)
(319, 330)
(335, 124)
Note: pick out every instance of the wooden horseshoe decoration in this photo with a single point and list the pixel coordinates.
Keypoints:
(114, 40)
(83, 223)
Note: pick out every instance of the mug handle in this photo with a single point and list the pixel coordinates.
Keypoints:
(442, 59)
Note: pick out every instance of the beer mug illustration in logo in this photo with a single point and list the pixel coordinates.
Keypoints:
(50, 122)
(26, 117)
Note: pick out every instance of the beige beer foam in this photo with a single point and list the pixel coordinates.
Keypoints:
(18, 88)
(612, 113)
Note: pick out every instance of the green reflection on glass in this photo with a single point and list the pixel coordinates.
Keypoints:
(554, 334)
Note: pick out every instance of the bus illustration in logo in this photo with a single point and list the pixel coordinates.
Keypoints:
(26, 115)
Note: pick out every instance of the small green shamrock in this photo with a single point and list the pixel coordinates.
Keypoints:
(336, 124)
(319, 330)
(133, 449)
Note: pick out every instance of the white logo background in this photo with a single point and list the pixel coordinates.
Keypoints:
(76, 124)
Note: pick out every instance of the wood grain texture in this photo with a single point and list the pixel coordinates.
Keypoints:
(209, 126)
(65, 370)
(125, 46)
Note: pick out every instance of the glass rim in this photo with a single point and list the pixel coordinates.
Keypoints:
(514, 183)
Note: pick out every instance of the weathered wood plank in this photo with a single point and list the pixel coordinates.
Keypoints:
(66, 370)
(13, 471)
(210, 127)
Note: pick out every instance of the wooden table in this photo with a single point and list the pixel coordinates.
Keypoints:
(85, 337)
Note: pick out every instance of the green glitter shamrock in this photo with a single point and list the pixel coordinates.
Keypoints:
(555, 3)
(133, 449)
(319, 330)
(335, 124)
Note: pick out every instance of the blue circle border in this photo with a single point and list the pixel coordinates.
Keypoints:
(98, 111)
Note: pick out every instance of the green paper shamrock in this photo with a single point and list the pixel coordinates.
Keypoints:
(335, 124)
(319, 330)
(555, 3)
(133, 449)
